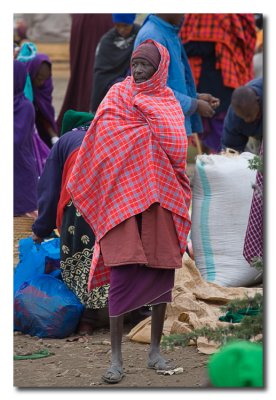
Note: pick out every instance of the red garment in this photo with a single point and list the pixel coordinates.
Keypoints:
(155, 243)
(64, 197)
(133, 155)
(235, 38)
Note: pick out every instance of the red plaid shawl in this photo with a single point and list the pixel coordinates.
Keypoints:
(235, 37)
(133, 155)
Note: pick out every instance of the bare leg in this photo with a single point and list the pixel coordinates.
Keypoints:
(155, 360)
(116, 332)
(114, 374)
(157, 323)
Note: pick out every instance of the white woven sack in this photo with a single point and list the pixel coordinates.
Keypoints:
(221, 201)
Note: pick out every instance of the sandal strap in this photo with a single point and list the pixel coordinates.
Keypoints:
(159, 363)
(114, 370)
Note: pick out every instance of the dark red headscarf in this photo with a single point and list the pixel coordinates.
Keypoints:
(149, 52)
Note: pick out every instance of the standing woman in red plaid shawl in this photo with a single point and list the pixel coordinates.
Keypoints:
(130, 184)
(220, 49)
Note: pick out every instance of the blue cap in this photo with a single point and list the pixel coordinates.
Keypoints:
(123, 18)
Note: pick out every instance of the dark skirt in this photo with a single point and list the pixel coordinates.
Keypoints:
(133, 286)
(77, 246)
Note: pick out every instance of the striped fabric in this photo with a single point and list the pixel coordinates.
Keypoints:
(133, 155)
(235, 38)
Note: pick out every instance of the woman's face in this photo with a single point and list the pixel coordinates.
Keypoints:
(42, 75)
(141, 69)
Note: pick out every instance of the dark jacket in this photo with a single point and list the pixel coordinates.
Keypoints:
(235, 130)
(49, 187)
(112, 63)
(210, 80)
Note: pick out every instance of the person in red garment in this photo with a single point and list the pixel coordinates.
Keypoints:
(129, 183)
(220, 49)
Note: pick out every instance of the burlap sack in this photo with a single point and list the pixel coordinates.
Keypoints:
(196, 303)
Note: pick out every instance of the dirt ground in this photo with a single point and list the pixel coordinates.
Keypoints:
(80, 361)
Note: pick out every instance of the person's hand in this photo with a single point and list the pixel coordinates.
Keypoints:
(54, 139)
(204, 109)
(36, 238)
(52, 134)
(16, 50)
(213, 101)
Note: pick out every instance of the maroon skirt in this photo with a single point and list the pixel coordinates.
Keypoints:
(143, 252)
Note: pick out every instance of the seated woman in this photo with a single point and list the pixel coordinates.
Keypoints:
(25, 171)
(39, 69)
(129, 183)
(55, 209)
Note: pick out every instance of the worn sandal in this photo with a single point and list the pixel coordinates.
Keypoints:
(114, 374)
(159, 363)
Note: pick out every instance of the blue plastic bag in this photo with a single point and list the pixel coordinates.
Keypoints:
(45, 307)
(52, 267)
(33, 258)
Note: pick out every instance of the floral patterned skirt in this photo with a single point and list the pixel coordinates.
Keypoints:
(77, 246)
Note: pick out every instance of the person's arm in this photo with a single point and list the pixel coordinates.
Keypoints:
(178, 163)
(190, 105)
(178, 160)
(213, 101)
(49, 188)
(45, 112)
(50, 131)
(202, 49)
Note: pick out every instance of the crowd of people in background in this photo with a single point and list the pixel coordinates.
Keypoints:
(109, 167)
(220, 50)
